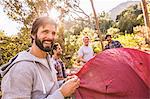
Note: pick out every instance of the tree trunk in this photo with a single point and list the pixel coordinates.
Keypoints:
(97, 24)
(146, 20)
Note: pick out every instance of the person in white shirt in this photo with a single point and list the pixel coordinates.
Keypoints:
(85, 52)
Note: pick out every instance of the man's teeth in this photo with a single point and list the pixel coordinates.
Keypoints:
(46, 42)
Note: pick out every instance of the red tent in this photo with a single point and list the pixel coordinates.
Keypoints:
(120, 73)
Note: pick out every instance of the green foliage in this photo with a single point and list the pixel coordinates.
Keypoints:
(71, 48)
(131, 41)
(113, 31)
(10, 46)
(130, 18)
(76, 29)
(96, 47)
(105, 22)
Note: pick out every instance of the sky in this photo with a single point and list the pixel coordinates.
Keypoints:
(10, 27)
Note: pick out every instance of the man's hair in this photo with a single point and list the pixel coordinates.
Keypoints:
(55, 47)
(41, 21)
(85, 37)
(107, 36)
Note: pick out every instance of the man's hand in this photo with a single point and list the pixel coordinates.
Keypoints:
(69, 77)
(70, 86)
(82, 59)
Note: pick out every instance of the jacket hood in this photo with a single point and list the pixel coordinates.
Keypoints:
(22, 56)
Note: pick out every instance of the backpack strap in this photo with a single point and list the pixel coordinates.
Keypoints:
(5, 68)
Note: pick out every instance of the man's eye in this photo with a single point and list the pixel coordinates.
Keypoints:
(53, 33)
(46, 31)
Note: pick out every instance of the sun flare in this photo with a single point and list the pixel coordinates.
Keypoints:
(54, 14)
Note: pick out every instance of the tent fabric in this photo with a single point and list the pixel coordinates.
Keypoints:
(121, 73)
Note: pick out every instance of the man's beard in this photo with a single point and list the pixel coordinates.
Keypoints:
(40, 44)
(59, 54)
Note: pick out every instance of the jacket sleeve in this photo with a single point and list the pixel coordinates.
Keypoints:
(17, 83)
(56, 95)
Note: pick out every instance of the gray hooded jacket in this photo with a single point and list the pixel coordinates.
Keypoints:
(26, 77)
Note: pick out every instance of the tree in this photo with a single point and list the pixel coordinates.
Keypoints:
(129, 18)
(10, 46)
(105, 22)
(145, 7)
(97, 24)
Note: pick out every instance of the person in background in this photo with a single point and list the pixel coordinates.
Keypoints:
(30, 74)
(57, 62)
(112, 43)
(85, 52)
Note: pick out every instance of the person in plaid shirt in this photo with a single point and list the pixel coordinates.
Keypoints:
(112, 43)
(57, 62)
